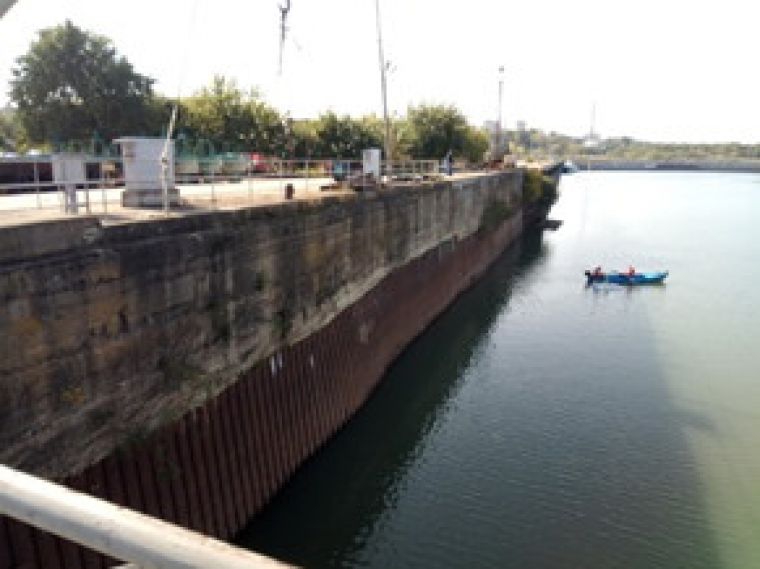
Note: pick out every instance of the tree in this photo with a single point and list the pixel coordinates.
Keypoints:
(345, 137)
(71, 84)
(476, 145)
(9, 139)
(232, 120)
(305, 138)
(433, 130)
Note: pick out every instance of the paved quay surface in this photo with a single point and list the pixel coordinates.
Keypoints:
(28, 208)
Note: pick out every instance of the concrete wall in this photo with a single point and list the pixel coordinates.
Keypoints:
(108, 333)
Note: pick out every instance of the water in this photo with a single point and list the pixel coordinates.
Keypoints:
(542, 424)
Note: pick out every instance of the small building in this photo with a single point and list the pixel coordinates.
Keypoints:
(145, 173)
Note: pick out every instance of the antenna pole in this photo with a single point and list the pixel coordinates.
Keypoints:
(383, 82)
(499, 143)
(6, 5)
(284, 9)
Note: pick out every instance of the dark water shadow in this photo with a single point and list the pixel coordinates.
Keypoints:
(595, 471)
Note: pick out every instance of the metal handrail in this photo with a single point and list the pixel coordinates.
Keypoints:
(214, 168)
(115, 531)
(201, 182)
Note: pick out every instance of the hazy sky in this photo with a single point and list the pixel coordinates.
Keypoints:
(657, 69)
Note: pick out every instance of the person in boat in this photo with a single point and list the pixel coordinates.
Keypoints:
(594, 275)
(631, 271)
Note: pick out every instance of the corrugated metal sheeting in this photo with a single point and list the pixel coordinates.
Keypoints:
(217, 466)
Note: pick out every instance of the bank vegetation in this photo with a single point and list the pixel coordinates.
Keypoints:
(73, 91)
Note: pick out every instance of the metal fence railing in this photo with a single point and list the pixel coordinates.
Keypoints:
(115, 531)
(201, 182)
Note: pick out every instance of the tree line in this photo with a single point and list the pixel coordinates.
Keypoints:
(72, 87)
(538, 144)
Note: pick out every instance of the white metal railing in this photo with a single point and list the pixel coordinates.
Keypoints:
(117, 532)
(210, 181)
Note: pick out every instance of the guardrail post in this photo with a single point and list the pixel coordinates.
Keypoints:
(37, 184)
(103, 189)
(250, 182)
(87, 195)
(213, 188)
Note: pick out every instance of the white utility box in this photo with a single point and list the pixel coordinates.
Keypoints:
(69, 169)
(143, 172)
(371, 161)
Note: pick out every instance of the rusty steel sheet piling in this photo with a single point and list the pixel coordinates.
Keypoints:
(221, 463)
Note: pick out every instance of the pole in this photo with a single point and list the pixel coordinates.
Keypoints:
(37, 184)
(383, 82)
(498, 124)
(284, 9)
(6, 5)
(165, 166)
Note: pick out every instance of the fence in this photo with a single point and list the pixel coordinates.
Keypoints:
(202, 182)
(117, 532)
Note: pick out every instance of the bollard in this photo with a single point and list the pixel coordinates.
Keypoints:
(289, 191)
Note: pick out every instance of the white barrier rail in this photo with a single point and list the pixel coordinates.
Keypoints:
(118, 532)
(202, 182)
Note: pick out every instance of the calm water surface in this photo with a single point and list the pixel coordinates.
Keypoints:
(542, 424)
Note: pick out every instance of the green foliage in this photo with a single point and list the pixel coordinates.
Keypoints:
(537, 144)
(231, 119)
(71, 83)
(433, 130)
(538, 187)
(234, 120)
(549, 192)
(531, 186)
(9, 133)
(476, 145)
(305, 138)
(494, 213)
(346, 137)
(430, 131)
(72, 86)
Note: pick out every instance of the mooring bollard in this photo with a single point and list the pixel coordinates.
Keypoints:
(289, 191)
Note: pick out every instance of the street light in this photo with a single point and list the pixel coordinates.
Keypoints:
(383, 82)
(499, 143)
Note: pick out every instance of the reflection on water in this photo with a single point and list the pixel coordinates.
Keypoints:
(540, 424)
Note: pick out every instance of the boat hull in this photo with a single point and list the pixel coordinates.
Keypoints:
(630, 280)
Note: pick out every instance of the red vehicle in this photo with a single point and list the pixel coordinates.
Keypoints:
(261, 164)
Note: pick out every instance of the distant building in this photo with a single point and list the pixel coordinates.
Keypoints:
(497, 139)
(592, 142)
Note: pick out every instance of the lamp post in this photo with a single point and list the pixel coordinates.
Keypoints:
(499, 143)
(383, 82)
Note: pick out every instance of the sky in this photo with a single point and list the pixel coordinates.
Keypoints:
(659, 70)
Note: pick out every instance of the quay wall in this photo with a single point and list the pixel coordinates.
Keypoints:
(185, 367)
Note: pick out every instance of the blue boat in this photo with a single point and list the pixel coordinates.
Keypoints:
(657, 277)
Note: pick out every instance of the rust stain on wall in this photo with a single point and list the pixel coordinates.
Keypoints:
(214, 466)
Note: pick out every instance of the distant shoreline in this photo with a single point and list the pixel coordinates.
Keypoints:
(686, 165)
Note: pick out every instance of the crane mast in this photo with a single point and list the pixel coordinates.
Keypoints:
(6, 5)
